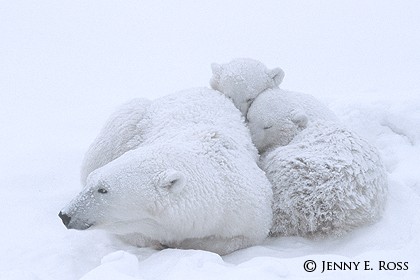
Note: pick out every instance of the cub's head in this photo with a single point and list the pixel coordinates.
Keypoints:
(130, 194)
(243, 80)
(273, 121)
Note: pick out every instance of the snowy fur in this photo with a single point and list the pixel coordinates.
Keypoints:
(193, 181)
(168, 117)
(326, 179)
(126, 127)
(119, 135)
(243, 79)
(276, 116)
(247, 81)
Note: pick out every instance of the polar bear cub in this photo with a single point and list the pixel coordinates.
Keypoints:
(326, 179)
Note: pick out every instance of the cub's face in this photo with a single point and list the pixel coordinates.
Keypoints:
(127, 195)
(243, 80)
(272, 122)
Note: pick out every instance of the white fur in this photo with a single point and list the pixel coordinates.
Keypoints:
(248, 81)
(326, 179)
(193, 181)
(243, 79)
(276, 116)
(119, 135)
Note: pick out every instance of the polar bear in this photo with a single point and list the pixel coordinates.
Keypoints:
(326, 179)
(192, 182)
(243, 79)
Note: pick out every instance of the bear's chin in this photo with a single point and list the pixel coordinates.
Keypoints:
(79, 226)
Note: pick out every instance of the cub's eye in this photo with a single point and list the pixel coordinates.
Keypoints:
(249, 100)
(268, 127)
(102, 190)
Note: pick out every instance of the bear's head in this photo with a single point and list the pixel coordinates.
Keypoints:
(242, 80)
(128, 195)
(274, 121)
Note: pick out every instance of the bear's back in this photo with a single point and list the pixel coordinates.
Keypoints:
(332, 177)
(191, 107)
(181, 116)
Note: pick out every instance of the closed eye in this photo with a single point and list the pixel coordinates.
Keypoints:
(268, 127)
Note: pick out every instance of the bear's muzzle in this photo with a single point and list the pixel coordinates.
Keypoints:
(73, 224)
(65, 218)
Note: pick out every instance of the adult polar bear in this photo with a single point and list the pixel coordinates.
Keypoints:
(189, 178)
(326, 179)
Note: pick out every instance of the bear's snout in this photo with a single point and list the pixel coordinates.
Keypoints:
(65, 218)
(74, 222)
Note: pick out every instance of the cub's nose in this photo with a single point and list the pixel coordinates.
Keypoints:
(65, 218)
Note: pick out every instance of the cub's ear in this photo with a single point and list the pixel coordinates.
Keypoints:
(216, 68)
(172, 180)
(300, 119)
(277, 74)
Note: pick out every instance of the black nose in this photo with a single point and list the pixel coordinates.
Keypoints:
(66, 219)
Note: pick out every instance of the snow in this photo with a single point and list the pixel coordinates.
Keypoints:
(66, 65)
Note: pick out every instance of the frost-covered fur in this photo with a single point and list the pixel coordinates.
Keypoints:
(192, 182)
(276, 116)
(247, 81)
(125, 129)
(327, 181)
(119, 135)
(243, 79)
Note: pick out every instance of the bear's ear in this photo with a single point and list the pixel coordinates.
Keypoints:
(277, 74)
(300, 119)
(172, 180)
(216, 68)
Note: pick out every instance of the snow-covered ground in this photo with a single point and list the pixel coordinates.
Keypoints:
(66, 65)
